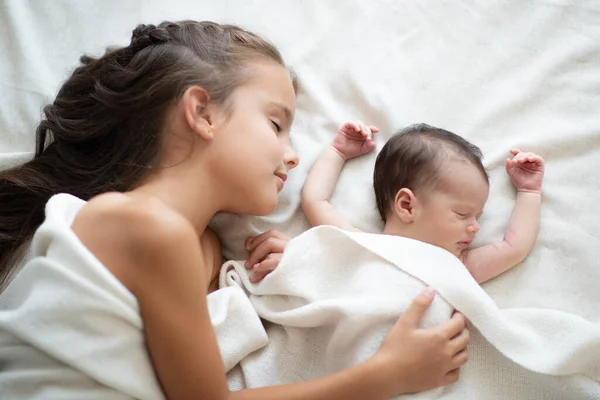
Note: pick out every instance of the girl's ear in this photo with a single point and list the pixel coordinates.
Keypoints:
(198, 111)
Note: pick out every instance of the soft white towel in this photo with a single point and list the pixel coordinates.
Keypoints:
(335, 295)
(502, 74)
(70, 329)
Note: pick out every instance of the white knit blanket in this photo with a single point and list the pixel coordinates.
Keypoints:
(335, 295)
(501, 73)
(70, 330)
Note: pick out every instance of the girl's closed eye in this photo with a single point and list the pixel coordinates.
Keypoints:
(276, 126)
(461, 215)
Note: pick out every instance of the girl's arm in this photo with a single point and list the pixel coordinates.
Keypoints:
(155, 253)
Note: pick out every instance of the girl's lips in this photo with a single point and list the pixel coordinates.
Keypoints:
(280, 181)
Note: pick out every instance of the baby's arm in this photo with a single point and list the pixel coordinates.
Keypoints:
(526, 171)
(352, 140)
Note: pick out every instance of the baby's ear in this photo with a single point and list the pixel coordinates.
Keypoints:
(404, 205)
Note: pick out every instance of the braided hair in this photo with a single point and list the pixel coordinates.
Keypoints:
(103, 131)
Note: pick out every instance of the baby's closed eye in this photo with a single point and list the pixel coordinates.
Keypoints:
(461, 215)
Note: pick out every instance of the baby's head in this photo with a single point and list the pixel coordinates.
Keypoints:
(430, 185)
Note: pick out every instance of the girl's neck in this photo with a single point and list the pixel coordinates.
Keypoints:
(194, 202)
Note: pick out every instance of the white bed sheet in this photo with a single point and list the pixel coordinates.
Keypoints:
(502, 74)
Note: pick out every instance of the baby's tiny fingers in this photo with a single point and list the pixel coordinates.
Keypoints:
(366, 131)
(522, 157)
(374, 129)
(352, 125)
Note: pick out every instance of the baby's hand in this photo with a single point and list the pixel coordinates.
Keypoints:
(526, 171)
(354, 139)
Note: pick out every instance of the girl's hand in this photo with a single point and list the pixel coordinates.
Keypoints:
(420, 359)
(265, 252)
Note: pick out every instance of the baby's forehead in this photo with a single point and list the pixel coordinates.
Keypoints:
(463, 181)
(460, 170)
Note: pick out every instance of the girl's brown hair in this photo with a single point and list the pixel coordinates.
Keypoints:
(103, 131)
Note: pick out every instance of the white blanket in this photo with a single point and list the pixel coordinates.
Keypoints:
(70, 330)
(502, 74)
(335, 295)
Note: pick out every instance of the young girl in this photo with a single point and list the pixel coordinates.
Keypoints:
(191, 118)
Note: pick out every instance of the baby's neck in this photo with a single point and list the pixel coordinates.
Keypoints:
(410, 231)
(397, 229)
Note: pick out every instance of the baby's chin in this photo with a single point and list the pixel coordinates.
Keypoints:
(455, 251)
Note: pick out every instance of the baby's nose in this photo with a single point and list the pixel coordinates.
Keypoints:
(474, 227)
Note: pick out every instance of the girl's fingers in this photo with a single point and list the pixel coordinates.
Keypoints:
(254, 241)
(264, 268)
(269, 264)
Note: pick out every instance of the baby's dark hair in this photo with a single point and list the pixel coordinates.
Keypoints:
(412, 159)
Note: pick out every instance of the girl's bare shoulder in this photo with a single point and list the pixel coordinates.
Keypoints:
(136, 237)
